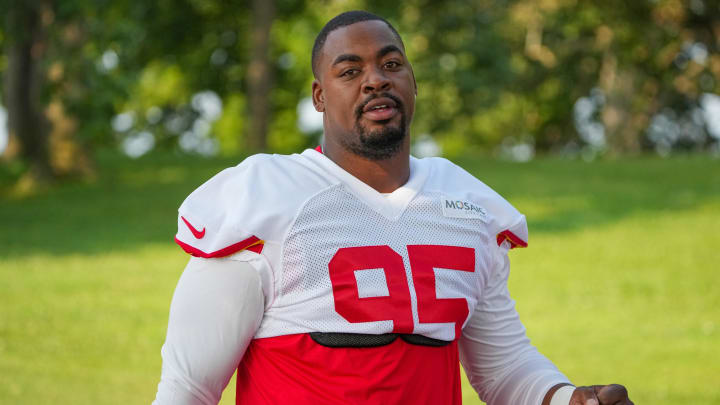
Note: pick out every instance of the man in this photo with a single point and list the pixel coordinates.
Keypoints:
(354, 273)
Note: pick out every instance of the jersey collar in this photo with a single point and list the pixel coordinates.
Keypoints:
(390, 205)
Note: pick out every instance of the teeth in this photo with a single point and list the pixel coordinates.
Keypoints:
(379, 107)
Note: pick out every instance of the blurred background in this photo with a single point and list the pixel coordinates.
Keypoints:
(511, 77)
(600, 120)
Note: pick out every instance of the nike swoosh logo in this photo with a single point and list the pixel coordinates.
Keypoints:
(197, 234)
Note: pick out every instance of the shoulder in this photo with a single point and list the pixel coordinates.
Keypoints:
(459, 186)
(245, 205)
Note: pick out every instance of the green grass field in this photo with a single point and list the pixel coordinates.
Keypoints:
(620, 282)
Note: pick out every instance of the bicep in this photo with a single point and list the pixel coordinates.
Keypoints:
(216, 309)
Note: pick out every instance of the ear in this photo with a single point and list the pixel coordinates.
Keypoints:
(412, 72)
(318, 98)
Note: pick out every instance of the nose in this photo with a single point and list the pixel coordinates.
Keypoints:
(375, 81)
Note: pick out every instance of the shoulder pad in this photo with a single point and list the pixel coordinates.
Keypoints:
(243, 207)
(506, 222)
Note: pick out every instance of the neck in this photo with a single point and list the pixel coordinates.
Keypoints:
(385, 175)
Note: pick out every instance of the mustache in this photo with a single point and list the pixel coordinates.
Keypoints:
(361, 107)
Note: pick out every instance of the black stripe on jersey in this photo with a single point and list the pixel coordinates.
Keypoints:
(337, 339)
(424, 340)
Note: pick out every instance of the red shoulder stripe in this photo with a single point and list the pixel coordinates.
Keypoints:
(514, 240)
(252, 244)
(319, 148)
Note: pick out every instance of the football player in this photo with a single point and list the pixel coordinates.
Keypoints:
(354, 273)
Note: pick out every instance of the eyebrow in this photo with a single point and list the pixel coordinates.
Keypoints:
(348, 57)
(388, 49)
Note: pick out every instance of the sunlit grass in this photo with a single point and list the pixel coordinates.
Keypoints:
(84, 328)
(634, 301)
(619, 284)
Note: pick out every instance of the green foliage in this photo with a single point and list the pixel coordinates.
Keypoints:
(230, 127)
(486, 69)
(161, 84)
(618, 284)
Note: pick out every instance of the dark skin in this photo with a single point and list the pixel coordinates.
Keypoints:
(357, 62)
(611, 394)
(366, 60)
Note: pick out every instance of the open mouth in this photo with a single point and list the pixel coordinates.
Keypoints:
(381, 113)
(380, 109)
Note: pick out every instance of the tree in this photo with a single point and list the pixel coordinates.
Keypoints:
(43, 42)
(259, 75)
(24, 84)
(592, 75)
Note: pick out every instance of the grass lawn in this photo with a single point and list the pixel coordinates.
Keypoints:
(620, 282)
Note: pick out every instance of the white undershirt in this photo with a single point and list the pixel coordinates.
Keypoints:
(218, 305)
(215, 311)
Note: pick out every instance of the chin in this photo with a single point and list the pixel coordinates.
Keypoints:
(378, 143)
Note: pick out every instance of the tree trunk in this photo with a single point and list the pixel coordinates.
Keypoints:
(259, 77)
(24, 83)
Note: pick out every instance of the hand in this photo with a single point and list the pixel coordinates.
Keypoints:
(613, 394)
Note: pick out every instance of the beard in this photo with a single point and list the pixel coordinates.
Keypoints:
(379, 144)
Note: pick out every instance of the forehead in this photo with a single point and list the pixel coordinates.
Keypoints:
(366, 37)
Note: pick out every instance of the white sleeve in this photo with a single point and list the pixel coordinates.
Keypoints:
(215, 311)
(501, 364)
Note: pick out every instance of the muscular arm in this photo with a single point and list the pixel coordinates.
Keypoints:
(215, 311)
(501, 364)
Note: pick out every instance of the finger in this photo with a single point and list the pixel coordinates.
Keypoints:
(584, 396)
(611, 394)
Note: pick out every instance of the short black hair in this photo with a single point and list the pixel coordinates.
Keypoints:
(343, 20)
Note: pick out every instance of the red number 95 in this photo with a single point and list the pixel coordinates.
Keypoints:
(397, 305)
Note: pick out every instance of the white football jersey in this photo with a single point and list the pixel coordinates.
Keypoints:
(342, 257)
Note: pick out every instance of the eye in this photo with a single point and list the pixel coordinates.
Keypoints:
(391, 64)
(349, 72)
